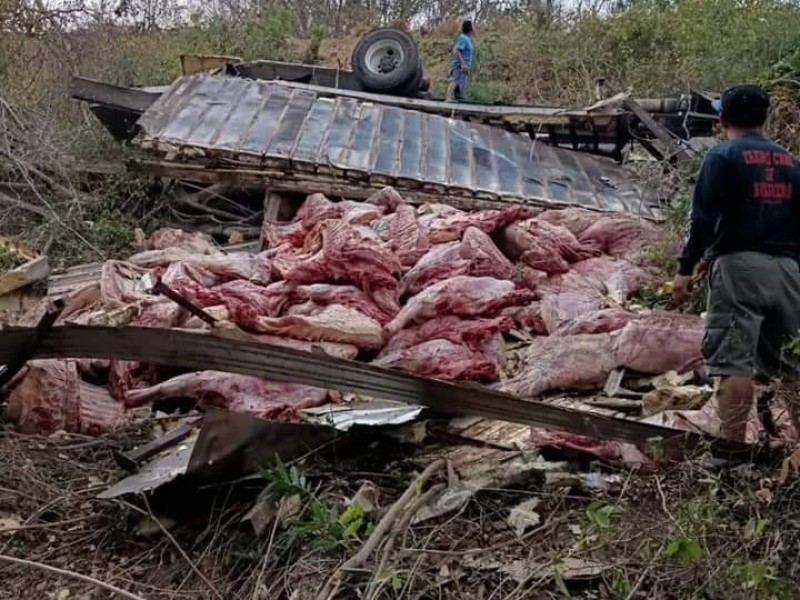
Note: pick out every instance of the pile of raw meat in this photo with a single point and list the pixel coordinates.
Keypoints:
(431, 290)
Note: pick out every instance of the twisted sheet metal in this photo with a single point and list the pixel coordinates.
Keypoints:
(264, 125)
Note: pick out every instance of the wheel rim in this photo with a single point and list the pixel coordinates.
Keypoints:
(384, 57)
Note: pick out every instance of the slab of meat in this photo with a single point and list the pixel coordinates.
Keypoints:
(158, 312)
(601, 321)
(576, 220)
(191, 241)
(317, 208)
(49, 396)
(621, 235)
(345, 351)
(431, 210)
(274, 235)
(583, 290)
(256, 268)
(529, 277)
(154, 312)
(618, 278)
(406, 238)
(120, 284)
(360, 213)
(527, 317)
(653, 345)
(351, 254)
(451, 226)
(242, 298)
(604, 450)
(219, 312)
(152, 259)
(325, 294)
(521, 246)
(544, 246)
(238, 393)
(188, 278)
(574, 362)
(485, 258)
(559, 308)
(470, 332)
(476, 255)
(463, 296)
(558, 237)
(388, 198)
(335, 323)
(442, 261)
(443, 359)
(661, 342)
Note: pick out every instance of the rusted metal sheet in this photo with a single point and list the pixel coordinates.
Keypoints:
(192, 350)
(286, 132)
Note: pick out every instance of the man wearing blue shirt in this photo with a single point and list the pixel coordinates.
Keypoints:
(745, 222)
(462, 64)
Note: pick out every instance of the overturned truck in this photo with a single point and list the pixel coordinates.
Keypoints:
(402, 253)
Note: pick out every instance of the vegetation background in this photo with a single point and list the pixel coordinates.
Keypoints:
(528, 51)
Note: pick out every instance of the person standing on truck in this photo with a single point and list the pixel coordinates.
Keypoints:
(745, 228)
(461, 65)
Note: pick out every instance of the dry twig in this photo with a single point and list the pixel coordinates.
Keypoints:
(149, 513)
(85, 578)
(332, 585)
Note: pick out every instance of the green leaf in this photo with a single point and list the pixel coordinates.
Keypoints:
(620, 584)
(754, 528)
(354, 512)
(602, 515)
(685, 550)
(351, 530)
(561, 586)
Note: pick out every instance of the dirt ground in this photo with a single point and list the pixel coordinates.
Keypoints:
(588, 530)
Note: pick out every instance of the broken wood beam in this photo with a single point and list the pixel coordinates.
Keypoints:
(202, 351)
(277, 206)
(31, 272)
(16, 355)
(661, 133)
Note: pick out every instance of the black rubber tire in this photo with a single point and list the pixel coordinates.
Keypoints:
(412, 88)
(395, 81)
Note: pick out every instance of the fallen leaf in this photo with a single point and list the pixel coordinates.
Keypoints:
(10, 524)
(523, 516)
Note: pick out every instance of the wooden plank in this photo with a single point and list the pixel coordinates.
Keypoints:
(277, 206)
(111, 95)
(193, 350)
(31, 272)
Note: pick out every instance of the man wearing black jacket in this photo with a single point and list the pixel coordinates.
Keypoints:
(745, 223)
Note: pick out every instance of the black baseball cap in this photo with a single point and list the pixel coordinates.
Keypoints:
(744, 106)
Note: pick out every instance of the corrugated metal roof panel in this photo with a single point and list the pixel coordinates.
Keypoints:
(260, 123)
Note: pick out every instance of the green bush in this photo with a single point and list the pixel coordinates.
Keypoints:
(262, 35)
(653, 47)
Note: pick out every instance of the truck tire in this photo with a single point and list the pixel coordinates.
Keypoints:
(386, 61)
(412, 88)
